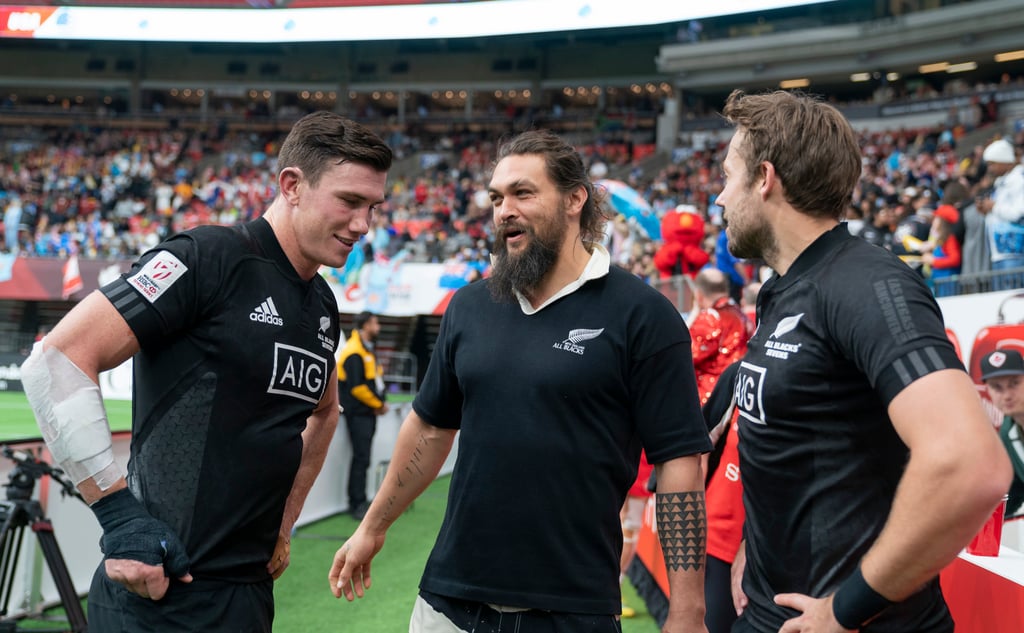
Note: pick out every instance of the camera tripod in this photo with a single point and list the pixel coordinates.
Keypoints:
(19, 511)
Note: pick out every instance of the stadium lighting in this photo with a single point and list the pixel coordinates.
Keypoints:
(962, 67)
(1009, 56)
(789, 84)
(859, 77)
(938, 67)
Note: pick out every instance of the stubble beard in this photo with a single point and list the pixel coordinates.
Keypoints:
(525, 271)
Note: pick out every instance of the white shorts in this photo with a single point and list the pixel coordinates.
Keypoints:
(426, 620)
(633, 513)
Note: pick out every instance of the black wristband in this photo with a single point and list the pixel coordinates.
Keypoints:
(115, 509)
(855, 602)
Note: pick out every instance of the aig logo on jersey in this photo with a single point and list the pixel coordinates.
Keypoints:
(750, 392)
(298, 373)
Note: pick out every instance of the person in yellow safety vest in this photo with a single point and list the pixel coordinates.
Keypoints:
(361, 392)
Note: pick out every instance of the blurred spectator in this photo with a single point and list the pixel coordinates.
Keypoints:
(879, 230)
(735, 269)
(1005, 207)
(720, 331)
(941, 254)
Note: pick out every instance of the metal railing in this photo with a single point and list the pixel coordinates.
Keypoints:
(400, 372)
(678, 290)
(989, 281)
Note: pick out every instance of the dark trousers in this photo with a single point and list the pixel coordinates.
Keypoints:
(720, 613)
(198, 607)
(360, 432)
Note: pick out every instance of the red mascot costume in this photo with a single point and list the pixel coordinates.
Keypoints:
(682, 232)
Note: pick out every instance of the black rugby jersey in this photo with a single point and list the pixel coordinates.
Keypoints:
(839, 336)
(553, 408)
(236, 351)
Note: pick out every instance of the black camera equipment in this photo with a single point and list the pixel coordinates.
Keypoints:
(19, 511)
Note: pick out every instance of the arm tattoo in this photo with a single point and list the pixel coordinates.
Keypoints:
(412, 469)
(682, 529)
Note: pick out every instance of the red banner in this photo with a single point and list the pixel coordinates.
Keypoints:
(43, 278)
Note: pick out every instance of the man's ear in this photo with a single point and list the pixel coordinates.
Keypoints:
(769, 179)
(575, 200)
(288, 183)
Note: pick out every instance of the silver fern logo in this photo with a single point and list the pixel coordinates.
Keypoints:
(577, 336)
(787, 325)
(778, 349)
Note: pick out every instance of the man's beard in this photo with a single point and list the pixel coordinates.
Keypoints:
(524, 272)
(756, 242)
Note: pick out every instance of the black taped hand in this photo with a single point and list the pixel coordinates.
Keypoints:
(131, 533)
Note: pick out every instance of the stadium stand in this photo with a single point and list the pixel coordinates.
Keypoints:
(106, 174)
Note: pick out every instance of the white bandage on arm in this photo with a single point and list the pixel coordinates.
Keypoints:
(70, 413)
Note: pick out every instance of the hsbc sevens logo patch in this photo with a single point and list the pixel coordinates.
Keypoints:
(750, 392)
(157, 275)
(298, 373)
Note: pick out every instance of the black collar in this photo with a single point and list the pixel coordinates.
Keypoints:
(824, 246)
(270, 247)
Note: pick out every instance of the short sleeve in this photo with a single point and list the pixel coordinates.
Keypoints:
(439, 400)
(161, 293)
(663, 388)
(890, 326)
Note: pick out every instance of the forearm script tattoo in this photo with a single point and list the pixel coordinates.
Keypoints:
(682, 529)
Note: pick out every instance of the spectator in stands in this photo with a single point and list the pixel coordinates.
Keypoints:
(1002, 371)
(724, 502)
(624, 369)
(748, 301)
(361, 392)
(736, 270)
(941, 254)
(632, 518)
(12, 223)
(1005, 210)
(879, 231)
(233, 334)
(719, 332)
(840, 474)
(913, 226)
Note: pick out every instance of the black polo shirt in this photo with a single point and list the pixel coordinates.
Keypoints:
(553, 409)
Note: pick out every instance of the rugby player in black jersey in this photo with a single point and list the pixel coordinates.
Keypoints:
(867, 460)
(233, 334)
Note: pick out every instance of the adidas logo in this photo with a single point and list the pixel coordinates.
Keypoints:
(266, 312)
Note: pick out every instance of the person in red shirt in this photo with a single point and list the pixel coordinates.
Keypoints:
(632, 516)
(725, 513)
(720, 331)
(942, 251)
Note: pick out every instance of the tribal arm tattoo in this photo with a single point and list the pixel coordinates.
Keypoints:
(682, 529)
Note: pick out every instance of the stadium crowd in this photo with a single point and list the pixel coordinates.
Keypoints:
(114, 193)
